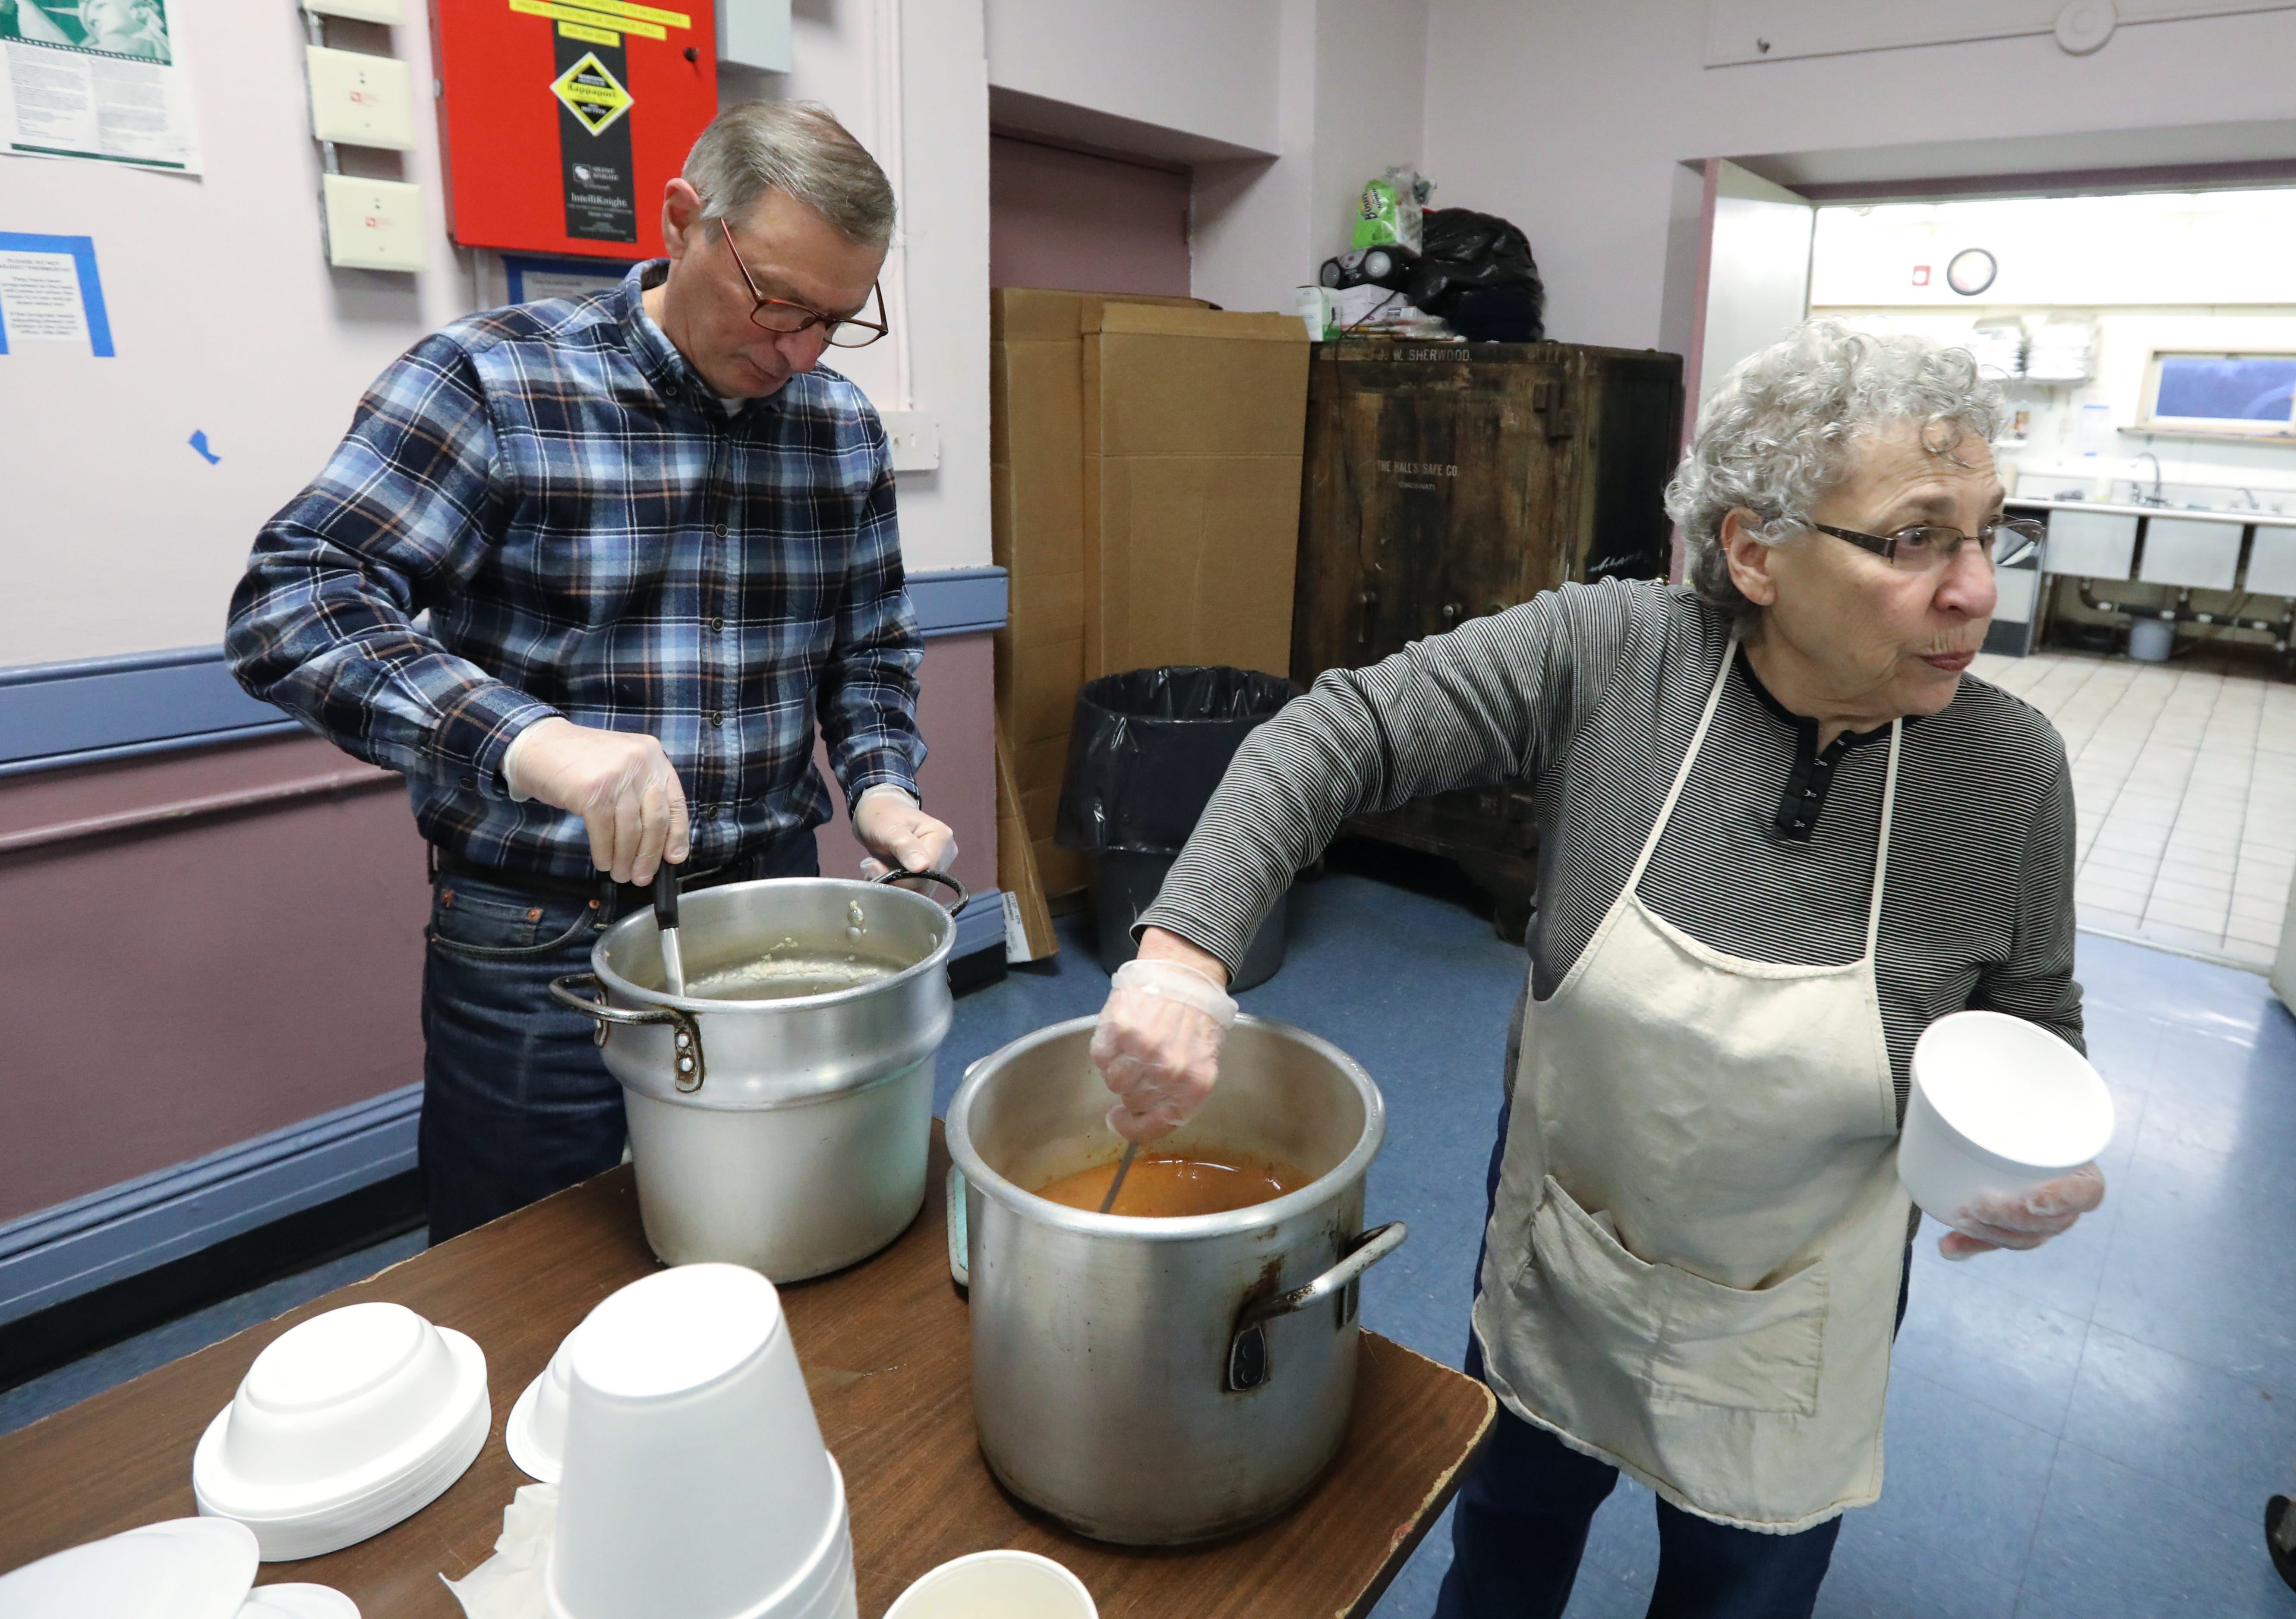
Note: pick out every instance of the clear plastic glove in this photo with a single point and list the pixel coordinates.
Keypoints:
(896, 832)
(1158, 1045)
(2028, 1222)
(620, 782)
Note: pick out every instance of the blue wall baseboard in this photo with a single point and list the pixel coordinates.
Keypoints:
(56, 714)
(55, 1255)
(121, 1231)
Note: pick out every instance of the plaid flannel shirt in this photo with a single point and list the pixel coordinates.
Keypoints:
(593, 535)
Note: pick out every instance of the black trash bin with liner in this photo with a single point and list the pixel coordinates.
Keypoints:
(1146, 751)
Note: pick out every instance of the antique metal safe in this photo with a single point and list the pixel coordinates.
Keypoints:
(1445, 481)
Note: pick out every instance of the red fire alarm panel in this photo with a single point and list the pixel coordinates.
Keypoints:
(561, 120)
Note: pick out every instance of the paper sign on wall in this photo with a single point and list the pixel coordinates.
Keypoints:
(531, 279)
(104, 80)
(50, 293)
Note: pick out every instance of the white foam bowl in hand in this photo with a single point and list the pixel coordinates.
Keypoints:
(345, 1425)
(694, 1480)
(997, 1585)
(1998, 1106)
(535, 1435)
(185, 1568)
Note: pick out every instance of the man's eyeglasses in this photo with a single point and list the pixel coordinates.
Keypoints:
(1927, 547)
(780, 317)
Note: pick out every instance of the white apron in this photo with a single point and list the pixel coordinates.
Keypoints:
(1695, 1256)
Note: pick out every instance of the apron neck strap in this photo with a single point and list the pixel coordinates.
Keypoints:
(1730, 654)
(1682, 776)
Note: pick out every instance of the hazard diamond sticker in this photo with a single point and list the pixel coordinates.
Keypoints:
(591, 93)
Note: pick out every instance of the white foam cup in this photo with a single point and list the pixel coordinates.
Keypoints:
(694, 1479)
(1998, 1106)
(345, 1425)
(997, 1585)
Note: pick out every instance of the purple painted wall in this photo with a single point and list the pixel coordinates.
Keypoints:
(957, 710)
(1085, 224)
(178, 987)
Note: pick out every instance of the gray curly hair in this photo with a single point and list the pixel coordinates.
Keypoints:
(1779, 431)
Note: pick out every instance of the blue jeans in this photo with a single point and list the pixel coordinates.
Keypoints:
(1520, 1525)
(516, 1099)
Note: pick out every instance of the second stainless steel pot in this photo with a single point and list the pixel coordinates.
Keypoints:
(1159, 1381)
(789, 1134)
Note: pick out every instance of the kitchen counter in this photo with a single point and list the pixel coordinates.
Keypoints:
(886, 1348)
(2201, 514)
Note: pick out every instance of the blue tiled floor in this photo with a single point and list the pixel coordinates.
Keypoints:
(2086, 1432)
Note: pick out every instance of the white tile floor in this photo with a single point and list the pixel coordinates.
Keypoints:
(2184, 777)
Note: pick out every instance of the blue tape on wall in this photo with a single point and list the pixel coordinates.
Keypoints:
(62, 714)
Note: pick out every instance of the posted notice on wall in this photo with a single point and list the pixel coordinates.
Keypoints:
(50, 293)
(102, 80)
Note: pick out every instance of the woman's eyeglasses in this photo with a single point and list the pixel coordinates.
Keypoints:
(781, 317)
(1927, 547)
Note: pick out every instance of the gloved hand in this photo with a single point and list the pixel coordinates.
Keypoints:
(896, 832)
(1158, 1045)
(620, 782)
(2027, 1222)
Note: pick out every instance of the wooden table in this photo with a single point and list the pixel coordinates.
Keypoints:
(886, 1352)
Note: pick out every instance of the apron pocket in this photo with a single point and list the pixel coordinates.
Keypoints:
(1688, 1341)
(1749, 1351)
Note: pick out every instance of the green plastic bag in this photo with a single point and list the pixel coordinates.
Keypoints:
(1389, 209)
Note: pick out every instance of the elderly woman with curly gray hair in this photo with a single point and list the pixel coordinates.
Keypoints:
(1782, 830)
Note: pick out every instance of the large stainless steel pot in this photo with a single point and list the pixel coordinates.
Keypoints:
(788, 1135)
(1159, 1381)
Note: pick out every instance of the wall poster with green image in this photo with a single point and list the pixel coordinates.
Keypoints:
(101, 80)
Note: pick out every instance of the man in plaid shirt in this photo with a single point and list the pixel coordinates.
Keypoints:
(656, 545)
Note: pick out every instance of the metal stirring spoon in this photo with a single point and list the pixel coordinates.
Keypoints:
(1123, 1168)
(664, 919)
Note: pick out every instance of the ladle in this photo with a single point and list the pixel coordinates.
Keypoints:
(1123, 1168)
(665, 918)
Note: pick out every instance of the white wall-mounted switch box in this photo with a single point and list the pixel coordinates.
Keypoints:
(360, 100)
(754, 34)
(373, 224)
(914, 440)
(391, 12)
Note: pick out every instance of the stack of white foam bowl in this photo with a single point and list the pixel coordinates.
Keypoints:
(186, 1568)
(346, 1424)
(694, 1479)
(535, 1435)
(1998, 1106)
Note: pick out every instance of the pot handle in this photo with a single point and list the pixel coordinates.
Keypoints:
(964, 894)
(960, 1236)
(1248, 1365)
(686, 1038)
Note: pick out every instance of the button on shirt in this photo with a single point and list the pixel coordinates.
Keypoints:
(593, 535)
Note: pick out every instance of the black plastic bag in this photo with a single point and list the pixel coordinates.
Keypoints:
(1149, 746)
(1464, 254)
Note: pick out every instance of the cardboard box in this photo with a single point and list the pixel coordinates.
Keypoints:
(1028, 934)
(1194, 424)
(1037, 516)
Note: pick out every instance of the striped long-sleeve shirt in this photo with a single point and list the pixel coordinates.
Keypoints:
(1591, 694)
(593, 535)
